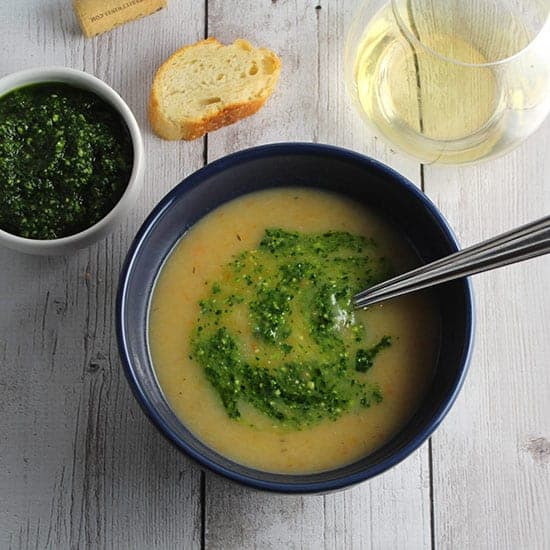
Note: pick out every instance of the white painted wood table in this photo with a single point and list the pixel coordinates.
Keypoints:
(81, 467)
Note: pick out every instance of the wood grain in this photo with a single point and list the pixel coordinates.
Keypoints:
(80, 466)
(310, 104)
(492, 455)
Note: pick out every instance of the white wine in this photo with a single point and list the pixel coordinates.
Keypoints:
(442, 88)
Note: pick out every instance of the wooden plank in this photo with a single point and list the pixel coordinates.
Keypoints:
(80, 466)
(310, 104)
(492, 454)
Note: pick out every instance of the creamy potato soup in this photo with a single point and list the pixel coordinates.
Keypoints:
(256, 345)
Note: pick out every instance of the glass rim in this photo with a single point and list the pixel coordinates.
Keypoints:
(404, 27)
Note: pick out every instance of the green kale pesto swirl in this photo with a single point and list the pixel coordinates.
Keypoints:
(66, 158)
(278, 331)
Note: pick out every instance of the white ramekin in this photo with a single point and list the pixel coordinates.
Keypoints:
(100, 229)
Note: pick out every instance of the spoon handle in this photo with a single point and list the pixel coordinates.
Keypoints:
(527, 241)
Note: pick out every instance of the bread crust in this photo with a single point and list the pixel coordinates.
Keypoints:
(189, 130)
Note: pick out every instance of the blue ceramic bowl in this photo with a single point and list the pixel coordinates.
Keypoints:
(281, 165)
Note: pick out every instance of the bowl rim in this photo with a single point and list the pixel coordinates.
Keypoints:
(195, 179)
(90, 83)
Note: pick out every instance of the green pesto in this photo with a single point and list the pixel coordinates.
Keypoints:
(65, 160)
(310, 355)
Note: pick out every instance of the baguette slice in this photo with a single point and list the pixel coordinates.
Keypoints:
(207, 85)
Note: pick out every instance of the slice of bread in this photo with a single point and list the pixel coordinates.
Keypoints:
(207, 85)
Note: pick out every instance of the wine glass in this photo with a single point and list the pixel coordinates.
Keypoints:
(451, 81)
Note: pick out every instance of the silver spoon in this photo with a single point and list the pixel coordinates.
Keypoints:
(522, 243)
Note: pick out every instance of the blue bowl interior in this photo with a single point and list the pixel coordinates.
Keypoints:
(283, 165)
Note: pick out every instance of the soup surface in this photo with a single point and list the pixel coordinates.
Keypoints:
(257, 348)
